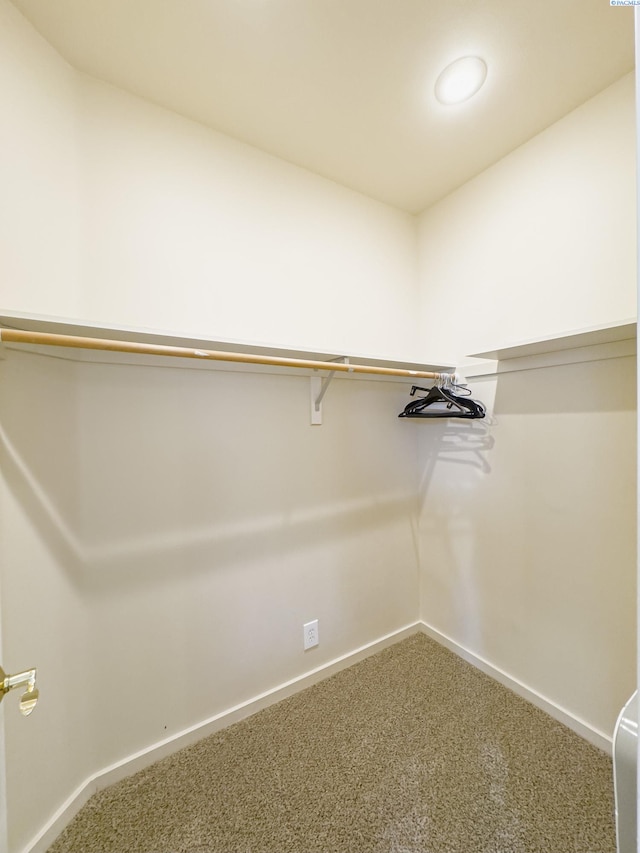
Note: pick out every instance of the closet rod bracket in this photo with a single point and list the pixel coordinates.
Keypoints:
(319, 386)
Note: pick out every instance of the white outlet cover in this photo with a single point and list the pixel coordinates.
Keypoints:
(310, 634)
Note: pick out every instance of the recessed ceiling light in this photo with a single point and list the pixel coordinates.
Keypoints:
(460, 80)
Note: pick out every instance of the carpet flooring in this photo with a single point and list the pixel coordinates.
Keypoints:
(409, 751)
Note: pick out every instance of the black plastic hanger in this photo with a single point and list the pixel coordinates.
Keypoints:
(443, 403)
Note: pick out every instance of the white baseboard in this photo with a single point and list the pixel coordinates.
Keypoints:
(145, 757)
(580, 727)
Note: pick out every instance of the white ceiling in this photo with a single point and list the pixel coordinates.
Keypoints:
(345, 87)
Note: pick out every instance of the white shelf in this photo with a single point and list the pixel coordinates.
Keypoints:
(594, 336)
(63, 326)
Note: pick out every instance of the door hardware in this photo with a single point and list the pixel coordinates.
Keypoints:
(26, 679)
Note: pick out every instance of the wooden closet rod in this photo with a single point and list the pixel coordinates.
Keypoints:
(17, 336)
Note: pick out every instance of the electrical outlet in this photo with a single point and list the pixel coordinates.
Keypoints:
(310, 634)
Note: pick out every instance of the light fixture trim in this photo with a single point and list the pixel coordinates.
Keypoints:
(460, 80)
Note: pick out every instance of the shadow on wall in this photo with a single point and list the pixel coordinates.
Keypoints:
(454, 460)
(198, 546)
(515, 552)
(456, 440)
(583, 388)
(136, 535)
(587, 387)
(459, 443)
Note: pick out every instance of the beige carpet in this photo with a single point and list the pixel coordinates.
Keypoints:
(410, 750)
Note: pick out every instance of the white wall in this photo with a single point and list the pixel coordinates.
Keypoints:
(40, 213)
(45, 622)
(217, 521)
(190, 230)
(541, 243)
(39, 271)
(167, 532)
(528, 525)
(527, 533)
